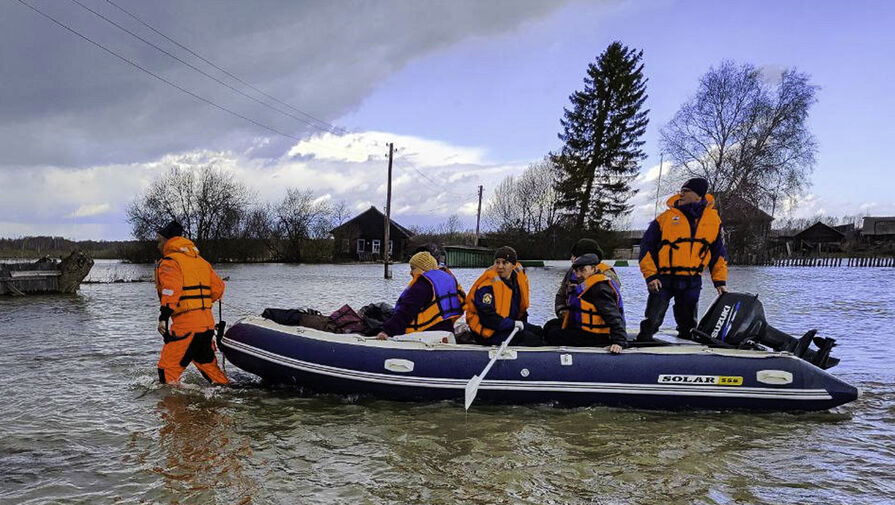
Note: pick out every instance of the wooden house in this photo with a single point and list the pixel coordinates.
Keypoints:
(361, 238)
(820, 238)
(878, 229)
(747, 229)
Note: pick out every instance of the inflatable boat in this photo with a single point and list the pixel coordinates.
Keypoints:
(732, 368)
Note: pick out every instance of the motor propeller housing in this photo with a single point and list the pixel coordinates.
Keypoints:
(737, 320)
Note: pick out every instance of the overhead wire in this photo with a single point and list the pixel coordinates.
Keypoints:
(324, 125)
(197, 69)
(153, 74)
(439, 185)
(327, 127)
(171, 83)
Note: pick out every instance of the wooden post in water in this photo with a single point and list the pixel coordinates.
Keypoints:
(388, 212)
(478, 217)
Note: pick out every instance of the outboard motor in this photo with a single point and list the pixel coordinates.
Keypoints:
(737, 320)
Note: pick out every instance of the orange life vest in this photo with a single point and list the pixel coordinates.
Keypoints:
(503, 298)
(199, 287)
(446, 303)
(583, 314)
(683, 253)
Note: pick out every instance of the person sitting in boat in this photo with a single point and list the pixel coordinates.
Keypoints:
(567, 287)
(187, 287)
(431, 302)
(438, 254)
(594, 315)
(499, 301)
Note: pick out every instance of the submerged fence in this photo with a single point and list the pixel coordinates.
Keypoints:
(832, 262)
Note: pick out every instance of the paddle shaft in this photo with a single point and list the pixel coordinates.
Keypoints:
(472, 387)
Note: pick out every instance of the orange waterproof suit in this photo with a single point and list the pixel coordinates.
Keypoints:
(187, 288)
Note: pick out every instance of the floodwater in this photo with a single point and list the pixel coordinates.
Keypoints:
(83, 420)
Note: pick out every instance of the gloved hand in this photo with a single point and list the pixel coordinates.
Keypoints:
(519, 325)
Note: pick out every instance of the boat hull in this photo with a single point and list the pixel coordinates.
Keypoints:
(666, 377)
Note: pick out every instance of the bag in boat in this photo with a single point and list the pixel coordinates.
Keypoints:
(289, 317)
(374, 315)
(346, 320)
(737, 320)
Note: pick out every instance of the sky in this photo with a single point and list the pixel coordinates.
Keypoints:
(469, 92)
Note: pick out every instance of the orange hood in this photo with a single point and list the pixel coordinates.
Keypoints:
(180, 245)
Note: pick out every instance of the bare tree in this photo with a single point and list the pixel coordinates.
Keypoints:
(504, 210)
(529, 203)
(746, 135)
(208, 202)
(340, 213)
(299, 217)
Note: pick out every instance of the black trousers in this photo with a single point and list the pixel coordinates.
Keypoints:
(531, 336)
(685, 292)
(554, 334)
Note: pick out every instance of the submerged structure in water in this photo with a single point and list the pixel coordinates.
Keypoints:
(45, 275)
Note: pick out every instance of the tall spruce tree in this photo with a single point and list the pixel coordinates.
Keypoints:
(602, 155)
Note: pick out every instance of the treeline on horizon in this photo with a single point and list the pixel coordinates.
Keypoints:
(743, 130)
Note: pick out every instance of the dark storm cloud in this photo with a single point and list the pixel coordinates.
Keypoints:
(65, 102)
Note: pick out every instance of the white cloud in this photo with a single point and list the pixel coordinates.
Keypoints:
(431, 181)
(90, 209)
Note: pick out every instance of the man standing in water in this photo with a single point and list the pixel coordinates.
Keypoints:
(677, 246)
(187, 288)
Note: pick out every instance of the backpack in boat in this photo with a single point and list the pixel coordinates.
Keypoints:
(374, 315)
(737, 320)
(346, 320)
(289, 317)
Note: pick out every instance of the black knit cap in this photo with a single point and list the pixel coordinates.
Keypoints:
(697, 185)
(586, 246)
(506, 252)
(172, 229)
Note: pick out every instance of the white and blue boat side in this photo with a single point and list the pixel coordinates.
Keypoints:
(665, 377)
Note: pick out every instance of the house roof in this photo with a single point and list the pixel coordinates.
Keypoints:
(368, 219)
(820, 232)
(878, 226)
(735, 208)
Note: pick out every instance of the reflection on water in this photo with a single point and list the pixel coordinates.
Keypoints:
(83, 420)
(198, 454)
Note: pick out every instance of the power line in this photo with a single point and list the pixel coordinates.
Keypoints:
(438, 185)
(326, 125)
(197, 69)
(166, 81)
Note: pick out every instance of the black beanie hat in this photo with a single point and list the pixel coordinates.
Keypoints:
(172, 229)
(697, 185)
(587, 246)
(506, 252)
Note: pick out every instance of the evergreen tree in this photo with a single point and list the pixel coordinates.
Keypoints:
(602, 130)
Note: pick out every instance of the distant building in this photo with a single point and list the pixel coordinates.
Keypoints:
(820, 238)
(362, 237)
(747, 229)
(878, 229)
(629, 245)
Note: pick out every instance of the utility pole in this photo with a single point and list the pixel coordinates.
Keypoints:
(388, 212)
(478, 217)
(658, 183)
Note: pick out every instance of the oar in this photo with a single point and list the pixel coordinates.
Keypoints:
(472, 387)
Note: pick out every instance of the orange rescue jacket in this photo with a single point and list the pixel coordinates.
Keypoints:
(503, 297)
(188, 285)
(583, 314)
(683, 253)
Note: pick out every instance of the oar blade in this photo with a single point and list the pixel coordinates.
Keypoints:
(472, 388)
